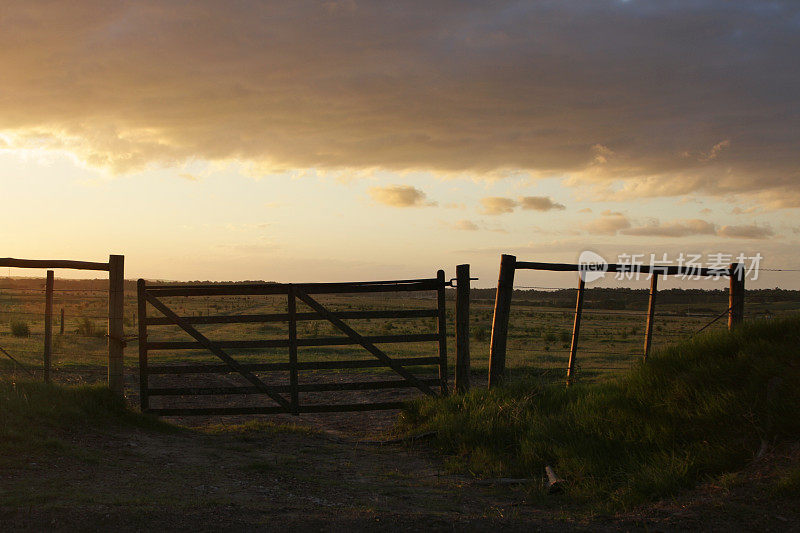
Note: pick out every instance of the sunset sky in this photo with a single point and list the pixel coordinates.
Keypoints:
(348, 140)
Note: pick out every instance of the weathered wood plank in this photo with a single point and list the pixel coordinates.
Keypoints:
(576, 329)
(284, 343)
(304, 387)
(301, 317)
(141, 287)
(670, 270)
(277, 367)
(292, 311)
(502, 311)
(651, 310)
(462, 328)
(116, 324)
(315, 408)
(280, 288)
(48, 324)
(52, 263)
(442, 332)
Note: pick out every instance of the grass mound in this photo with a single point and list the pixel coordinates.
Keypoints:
(35, 417)
(693, 411)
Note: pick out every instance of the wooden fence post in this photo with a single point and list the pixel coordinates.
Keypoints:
(462, 328)
(576, 328)
(291, 308)
(61, 326)
(502, 310)
(442, 331)
(141, 301)
(651, 309)
(736, 296)
(48, 325)
(116, 332)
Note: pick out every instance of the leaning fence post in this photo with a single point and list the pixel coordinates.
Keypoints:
(116, 304)
(48, 325)
(651, 309)
(502, 310)
(736, 295)
(462, 328)
(576, 328)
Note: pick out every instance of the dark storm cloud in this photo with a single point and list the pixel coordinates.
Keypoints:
(668, 97)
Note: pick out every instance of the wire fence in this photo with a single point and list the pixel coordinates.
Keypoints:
(614, 324)
(540, 329)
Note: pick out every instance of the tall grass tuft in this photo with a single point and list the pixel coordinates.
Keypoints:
(695, 410)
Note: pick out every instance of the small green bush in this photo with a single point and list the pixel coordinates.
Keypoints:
(20, 328)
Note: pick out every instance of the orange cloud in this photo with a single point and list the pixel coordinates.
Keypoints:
(399, 196)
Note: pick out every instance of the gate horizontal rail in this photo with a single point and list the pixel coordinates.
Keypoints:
(284, 343)
(301, 365)
(284, 317)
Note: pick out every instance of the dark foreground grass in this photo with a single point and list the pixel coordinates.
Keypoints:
(36, 417)
(693, 411)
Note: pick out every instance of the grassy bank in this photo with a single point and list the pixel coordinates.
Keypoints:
(695, 410)
(36, 418)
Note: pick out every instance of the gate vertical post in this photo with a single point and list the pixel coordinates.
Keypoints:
(651, 309)
(736, 296)
(61, 327)
(48, 325)
(462, 328)
(442, 331)
(292, 310)
(116, 332)
(144, 399)
(576, 328)
(502, 310)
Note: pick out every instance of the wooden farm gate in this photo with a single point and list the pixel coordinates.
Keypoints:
(275, 395)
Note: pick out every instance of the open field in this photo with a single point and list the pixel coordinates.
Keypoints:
(540, 329)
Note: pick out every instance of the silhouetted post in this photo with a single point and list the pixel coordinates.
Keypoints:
(576, 328)
(61, 326)
(291, 306)
(736, 296)
(144, 400)
(442, 331)
(502, 310)
(462, 328)
(116, 331)
(651, 309)
(48, 325)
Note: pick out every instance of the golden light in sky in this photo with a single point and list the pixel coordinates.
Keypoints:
(223, 140)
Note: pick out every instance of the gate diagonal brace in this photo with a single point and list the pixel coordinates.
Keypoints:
(199, 337)
(371, 348)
